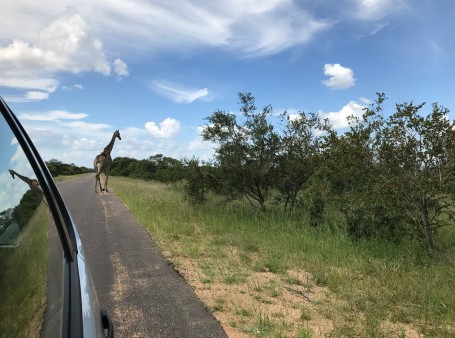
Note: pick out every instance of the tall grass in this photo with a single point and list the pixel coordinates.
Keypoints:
(23, 280)
(376, 283)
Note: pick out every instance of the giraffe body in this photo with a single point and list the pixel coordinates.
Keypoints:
(102, 162)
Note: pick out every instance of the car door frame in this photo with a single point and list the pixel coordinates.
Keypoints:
(72, 308)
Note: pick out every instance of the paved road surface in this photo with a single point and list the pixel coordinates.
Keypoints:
(143, 294)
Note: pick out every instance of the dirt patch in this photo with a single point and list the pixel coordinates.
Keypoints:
(260, 303)
(263, 303)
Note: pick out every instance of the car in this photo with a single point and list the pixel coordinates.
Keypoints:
(45, 285)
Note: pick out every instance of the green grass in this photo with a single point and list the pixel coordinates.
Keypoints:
(23, 280)
(376, 283)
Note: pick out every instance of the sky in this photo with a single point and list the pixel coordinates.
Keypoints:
(76, 71)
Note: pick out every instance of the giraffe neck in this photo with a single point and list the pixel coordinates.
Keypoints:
(108, 149)
(23, 178)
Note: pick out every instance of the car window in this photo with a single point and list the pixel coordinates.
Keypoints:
(27, 242)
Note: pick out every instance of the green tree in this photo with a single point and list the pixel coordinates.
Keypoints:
(418, 160)
(302, 146)
(123, 166)
(392, 177)
(167, 169)
(354, 168)
(247, 153)
(197, 180)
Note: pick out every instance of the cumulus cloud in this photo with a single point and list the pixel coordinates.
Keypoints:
(120, 67)
(339, 119)
(340, 77)
(178, 93)
(67, 43)
(166, 128)
(64, 44)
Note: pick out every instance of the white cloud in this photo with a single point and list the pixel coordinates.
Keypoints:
(339, 119)
(45, 84)
(69, 45)
(77, 86)
(252, 34)
(120, 67)
(52, 116)
(375, 10)
(74, 142)
(36, 96)
(245, 27)
(166, 129)
(77, 141)
(179, 94)
(84, 143)
(340, 77)
(365, 101)
(31, 96)
(64, 44)
(198, 148)
(87, 127)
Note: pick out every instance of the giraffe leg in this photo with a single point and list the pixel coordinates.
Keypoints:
(97, 180)
(105, 183)
(99, 170)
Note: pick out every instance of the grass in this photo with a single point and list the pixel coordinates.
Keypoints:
(376, 288)
(23, 280)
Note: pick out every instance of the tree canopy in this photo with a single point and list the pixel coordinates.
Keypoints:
(389, 175)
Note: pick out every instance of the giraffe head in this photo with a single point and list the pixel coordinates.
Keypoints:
(117, 134)
(11, 172)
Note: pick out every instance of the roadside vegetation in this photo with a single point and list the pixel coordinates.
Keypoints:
(268, 274)
(296, 229)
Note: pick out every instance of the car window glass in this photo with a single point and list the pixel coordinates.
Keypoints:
(24, 247)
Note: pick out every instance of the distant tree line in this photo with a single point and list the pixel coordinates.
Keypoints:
(157, 167)
(58, 168)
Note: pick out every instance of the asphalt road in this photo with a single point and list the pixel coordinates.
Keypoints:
(142, 293)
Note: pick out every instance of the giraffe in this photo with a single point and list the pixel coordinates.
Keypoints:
(103, 161)
(32, 182)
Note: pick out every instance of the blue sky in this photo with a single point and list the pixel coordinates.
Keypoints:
(75, 71)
